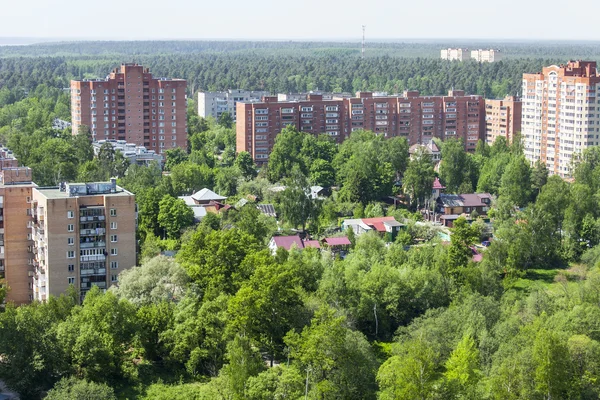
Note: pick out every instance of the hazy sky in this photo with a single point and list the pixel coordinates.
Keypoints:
(299, 19)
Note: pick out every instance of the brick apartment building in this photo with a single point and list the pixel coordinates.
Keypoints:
(418, 118)
(502, 118)
(132, 105)
(16, 264)
(83, 234)
(560, 114)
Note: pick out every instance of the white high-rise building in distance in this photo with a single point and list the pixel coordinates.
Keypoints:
(214, 104)
(560, 114)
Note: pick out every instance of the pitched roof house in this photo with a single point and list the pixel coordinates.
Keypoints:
(454, 205)
(204, 201)
(430, 147)
(289, 242)
(383, 225)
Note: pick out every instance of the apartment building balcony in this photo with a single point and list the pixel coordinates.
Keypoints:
(97, 257)
(88, 245)
(93, 272)
(92, 218)
(88, 285)
(92, 232)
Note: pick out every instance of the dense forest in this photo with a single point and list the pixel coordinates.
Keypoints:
(281, 67)
(225, 318)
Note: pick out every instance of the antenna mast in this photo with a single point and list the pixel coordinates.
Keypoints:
(363, 42)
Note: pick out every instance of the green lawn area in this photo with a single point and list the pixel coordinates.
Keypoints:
(548, 279)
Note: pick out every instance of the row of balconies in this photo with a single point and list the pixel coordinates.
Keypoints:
(99, 271)
(97, 257)
(88, 285)
(92, 232)
(87, 245)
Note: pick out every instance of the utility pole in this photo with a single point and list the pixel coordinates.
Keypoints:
(363, 42)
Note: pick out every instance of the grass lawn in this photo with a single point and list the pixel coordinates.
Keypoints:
(548, 279)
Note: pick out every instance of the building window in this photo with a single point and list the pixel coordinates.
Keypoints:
(70, 214)
(114, 264)
(71, 280)
(113, 251)
(113, 278)
(70, 241)
(71, 267)
(113, 212)
(113, 238)
(113, 225)
(70, 228)
(70, 254)
(28, 211)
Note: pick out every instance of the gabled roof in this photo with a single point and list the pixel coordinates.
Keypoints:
(430, 146)
(312, 243)
(466, 200)
(373, 223)
(207, 195)
(338, 241)
(288, 241)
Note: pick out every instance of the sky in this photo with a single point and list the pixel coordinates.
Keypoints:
(299, 19)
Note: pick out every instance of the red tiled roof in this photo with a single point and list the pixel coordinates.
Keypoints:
(338, 241)
(287, 241)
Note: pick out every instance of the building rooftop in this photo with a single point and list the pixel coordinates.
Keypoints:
(207, 195)
(466, 200)
(67, 190)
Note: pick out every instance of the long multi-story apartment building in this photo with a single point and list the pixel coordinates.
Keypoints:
(490, 55)
(560, 114)
(132, 105)
(214, 104)
(502, 118)
(83, 234)
(454, 54)
(418, 118)
(16, 252)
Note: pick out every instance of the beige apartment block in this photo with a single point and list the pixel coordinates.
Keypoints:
(84, 234)
(454, 54)
(490, 55)
(560, 114)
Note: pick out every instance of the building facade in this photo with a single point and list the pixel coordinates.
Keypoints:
(214, 104)
(418, 118)
(490, 55)
(132, 105)
(560, 114)
(502, 118)
(16, 251)
(83, 234)
(454, 54)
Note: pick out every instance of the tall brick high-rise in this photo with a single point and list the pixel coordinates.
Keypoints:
(418, 118)
(132, 105)
(560, 114)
